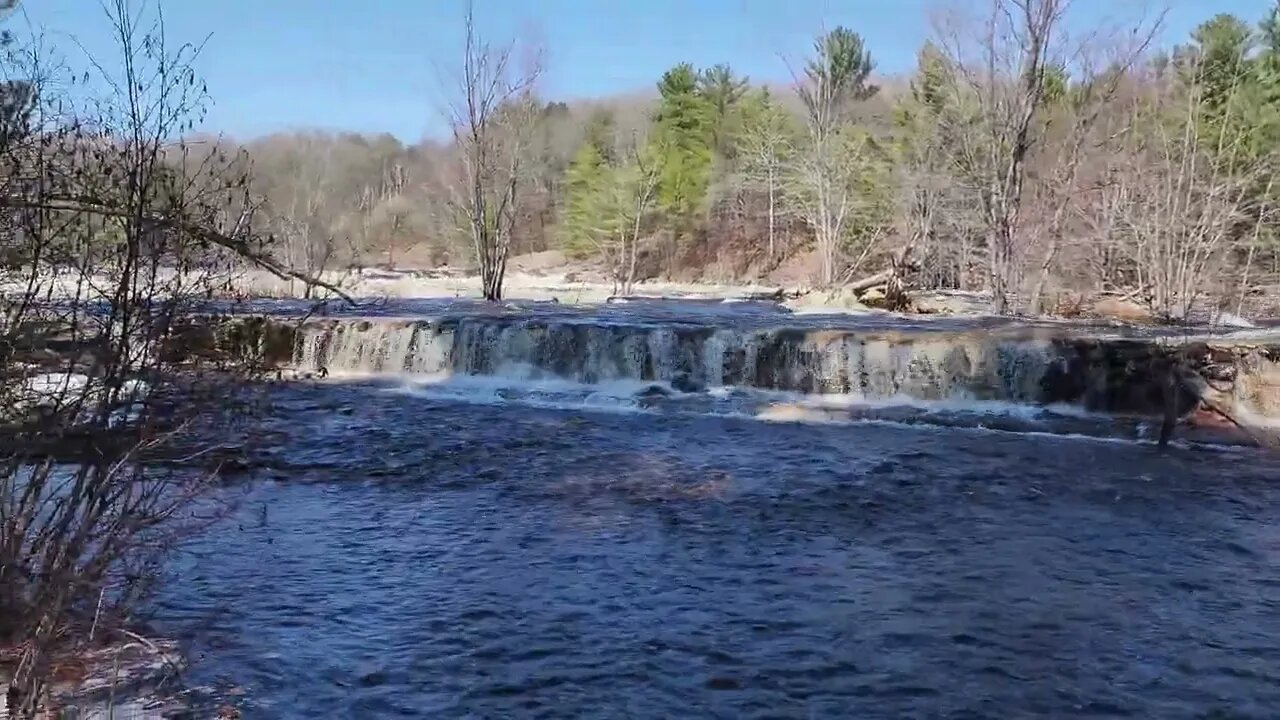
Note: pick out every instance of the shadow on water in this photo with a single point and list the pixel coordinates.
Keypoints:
(425, 557)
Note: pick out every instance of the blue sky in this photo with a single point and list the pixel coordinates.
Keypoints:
(372, 65)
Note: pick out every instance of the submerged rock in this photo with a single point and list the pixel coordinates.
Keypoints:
(684, 382)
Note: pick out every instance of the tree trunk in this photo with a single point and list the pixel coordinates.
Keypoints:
(631, 256)
(1037, 292)
(822, 229)
(998, 247)
(772, 194)
(490, 280)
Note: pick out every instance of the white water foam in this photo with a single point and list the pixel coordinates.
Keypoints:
(630, 397)
(546, 393)
(954, 405)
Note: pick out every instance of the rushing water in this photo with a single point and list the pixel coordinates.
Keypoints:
(496, 546)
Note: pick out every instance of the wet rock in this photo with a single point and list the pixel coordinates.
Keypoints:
(1257, 382)
(1231, 320)
(1120, 372)
(684, 382)
(950, 303)
(653, 391)
(838, 300)
(652, 396)
(875, 298)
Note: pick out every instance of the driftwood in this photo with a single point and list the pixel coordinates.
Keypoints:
(872, 281)
(892, 281)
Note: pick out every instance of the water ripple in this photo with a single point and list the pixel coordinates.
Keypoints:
(441, 560)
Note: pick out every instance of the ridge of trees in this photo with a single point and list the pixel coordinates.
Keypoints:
(1018, 159)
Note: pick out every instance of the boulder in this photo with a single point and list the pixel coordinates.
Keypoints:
(653, 391)
(951, 302)
(874, 297)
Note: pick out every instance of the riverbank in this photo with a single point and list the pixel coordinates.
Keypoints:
(533, 279)
(136, 678)
(546, 277)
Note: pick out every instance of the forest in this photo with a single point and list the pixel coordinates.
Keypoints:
(1017, 159)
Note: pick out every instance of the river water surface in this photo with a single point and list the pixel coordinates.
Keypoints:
(401, 553)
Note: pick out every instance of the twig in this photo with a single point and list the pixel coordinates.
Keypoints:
(96, 614)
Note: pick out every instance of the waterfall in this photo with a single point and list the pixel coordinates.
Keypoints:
(373, 347)
(925, 366)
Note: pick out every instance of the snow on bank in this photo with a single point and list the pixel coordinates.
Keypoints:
(559, 284)
(562, 287)
(393, 283)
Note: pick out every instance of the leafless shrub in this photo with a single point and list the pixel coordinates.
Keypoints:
(115, 230)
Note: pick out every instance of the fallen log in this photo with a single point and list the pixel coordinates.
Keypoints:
(893, 281)
(872, 281)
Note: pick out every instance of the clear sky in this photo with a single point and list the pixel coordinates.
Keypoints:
(373, 65)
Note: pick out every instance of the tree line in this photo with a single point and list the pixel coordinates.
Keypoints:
(1020, 159)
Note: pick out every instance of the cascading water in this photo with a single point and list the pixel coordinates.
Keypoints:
(601, 361)
(968, 366)
(374, 347)
(1014, 377)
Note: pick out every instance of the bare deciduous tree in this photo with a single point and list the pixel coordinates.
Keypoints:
(834, 79)
(638, 189)
(1004, 68)
(1076, 130)
(765, 150)
(493, 117)
(1178, 202)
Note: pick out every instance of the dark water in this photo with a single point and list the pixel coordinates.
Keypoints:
(402, 557)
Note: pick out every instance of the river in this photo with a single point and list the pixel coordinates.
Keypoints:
(514, 546)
